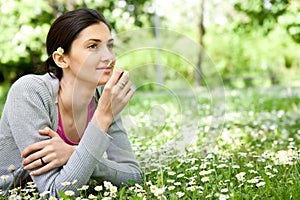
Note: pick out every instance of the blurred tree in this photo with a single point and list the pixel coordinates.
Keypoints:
(250, 45)
(201, 43)
(25, 23)
(268, 14)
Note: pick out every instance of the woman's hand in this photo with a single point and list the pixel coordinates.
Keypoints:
(54, 152)
(115, 96)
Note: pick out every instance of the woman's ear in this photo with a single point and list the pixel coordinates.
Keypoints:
(60, 60)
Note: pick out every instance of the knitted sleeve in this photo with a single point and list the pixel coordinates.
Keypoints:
(120, 166)
(31, 104)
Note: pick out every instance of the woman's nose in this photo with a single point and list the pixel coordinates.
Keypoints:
(107, 54)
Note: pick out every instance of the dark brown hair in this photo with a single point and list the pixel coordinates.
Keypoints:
(65, 30)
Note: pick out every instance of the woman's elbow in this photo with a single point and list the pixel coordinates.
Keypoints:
(133, 177)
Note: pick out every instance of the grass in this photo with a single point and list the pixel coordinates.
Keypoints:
(189, 150)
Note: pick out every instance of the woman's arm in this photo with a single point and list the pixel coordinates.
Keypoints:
(49, 150)
(120, 165)
(87, 159)
(32, 109)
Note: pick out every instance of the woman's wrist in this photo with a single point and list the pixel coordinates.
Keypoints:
(101, 121)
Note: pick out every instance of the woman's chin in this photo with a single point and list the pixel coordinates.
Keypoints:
(104, 78)
(102, 82)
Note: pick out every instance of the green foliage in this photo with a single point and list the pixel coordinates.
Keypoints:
(250, 49)
(141, 53)
(25, 23)
(22, 31)
(254, 154)
(3, 93)
(250, 59)
(259, 132)
(267, 14)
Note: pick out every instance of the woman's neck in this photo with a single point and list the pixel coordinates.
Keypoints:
(75, 95)
(73, 100)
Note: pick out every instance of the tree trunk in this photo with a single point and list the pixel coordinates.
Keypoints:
(200, 56)
(159, 68)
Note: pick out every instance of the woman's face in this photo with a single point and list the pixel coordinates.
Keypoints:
(90, 55)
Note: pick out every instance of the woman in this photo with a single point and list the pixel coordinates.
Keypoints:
(68, 101)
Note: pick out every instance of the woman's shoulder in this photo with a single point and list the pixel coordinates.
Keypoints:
(33, 83)
(34, 78)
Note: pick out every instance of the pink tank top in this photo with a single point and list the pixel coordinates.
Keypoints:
(60, 129)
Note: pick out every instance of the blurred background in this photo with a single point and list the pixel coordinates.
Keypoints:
(184, 57)
(251, 43)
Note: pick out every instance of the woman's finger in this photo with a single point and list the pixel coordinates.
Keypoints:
(114, 78)
(35, 156)
(35, 147)
(35, 164)
(39, 145)
(42, 168)
(48, 131)
(126, 89)
(50, 164)
(124, 78)
(122, 82)
(129, 95)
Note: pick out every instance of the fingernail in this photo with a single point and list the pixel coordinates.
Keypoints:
(109, 63)
(41, 130)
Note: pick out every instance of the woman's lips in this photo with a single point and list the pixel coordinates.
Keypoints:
(105, 69)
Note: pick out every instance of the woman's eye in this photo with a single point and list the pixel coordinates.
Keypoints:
(110, 45)
(92, 46)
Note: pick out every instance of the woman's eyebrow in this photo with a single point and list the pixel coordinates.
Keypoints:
(95, 40)
(98, 40)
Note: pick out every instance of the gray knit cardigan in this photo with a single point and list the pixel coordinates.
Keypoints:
(32, 105)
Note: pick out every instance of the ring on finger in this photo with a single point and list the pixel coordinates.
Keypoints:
(121, 84)
(43, 162)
